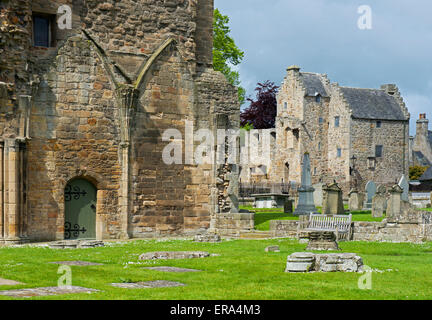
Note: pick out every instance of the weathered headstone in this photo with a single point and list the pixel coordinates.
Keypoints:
(404, 184)
(318, 194)
(306, 203)
(288, 206)
(148, 284)
(332, 200)
(167, 255)
(356, 200)
(370, 192)
(394, 204)
(379, 202)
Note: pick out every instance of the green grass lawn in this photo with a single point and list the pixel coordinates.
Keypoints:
(264, 216)
(242, 271)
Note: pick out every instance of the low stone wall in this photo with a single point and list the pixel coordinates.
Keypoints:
(283, 228)
(233, 224)
(246, 201)
(366, 231)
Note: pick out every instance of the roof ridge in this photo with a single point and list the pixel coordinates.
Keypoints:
(346, 87)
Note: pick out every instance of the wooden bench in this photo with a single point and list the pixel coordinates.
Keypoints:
(340, 225)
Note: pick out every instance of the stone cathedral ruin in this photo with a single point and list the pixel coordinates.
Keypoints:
(83, 111)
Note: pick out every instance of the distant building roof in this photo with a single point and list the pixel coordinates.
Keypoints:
(314, 84)
(373, 104)
(427, 176)
(421, 159)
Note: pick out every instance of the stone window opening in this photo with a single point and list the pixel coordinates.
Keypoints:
(319, 146)
(318, 98)
(379, 151)
(320, 120)
(44, 30)
(339, 152)
(378, 124)
(337, 121)
(285, 105)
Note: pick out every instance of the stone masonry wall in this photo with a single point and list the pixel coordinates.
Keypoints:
(393, 164)
(79, 128)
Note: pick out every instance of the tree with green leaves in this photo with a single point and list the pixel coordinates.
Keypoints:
(226, 54)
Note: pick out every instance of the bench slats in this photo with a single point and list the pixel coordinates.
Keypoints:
(319, 222)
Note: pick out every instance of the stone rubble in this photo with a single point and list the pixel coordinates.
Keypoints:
(331, 262)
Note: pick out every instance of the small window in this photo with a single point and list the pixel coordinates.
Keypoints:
(285, 105)
(378, 124)
(319, 146)
(43, 30)
(378, 151)
(339, 152)
(337, 122)
(315, 171)
(320, 120)
(318, 98)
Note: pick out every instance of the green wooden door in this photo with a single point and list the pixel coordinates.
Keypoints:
(80, 210)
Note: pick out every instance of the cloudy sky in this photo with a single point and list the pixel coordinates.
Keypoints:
(323, 36)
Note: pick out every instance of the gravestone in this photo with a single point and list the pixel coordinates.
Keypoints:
(394, 205)
(167, 255)
(356, 200)
(404, 184)
(306, 203)
(172, 269)
(332, 200)
(318, 194)
(148, 284)
(6, 282)
(379, 202)
(288, 206)
(370, 193)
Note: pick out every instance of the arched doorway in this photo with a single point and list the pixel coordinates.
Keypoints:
(80, 210)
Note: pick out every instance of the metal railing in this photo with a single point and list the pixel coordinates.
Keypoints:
(248, 189)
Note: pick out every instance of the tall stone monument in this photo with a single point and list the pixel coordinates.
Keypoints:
(306, 203)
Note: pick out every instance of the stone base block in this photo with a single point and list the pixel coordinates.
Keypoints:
(332, 262)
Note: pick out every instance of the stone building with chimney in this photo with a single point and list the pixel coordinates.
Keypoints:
(83, 112)
(353, 135)
(421, 144)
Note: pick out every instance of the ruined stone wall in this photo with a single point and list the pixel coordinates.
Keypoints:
(393, 164)
(101, 98)
(314, 137)
(289, 130)
(339, 137)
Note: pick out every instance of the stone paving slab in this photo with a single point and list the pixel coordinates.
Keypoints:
(45, 291)
(173, 255)
(6, 282)
(171, 269)
(148, 284)
(78, 263)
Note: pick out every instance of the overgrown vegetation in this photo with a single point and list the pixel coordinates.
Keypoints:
(416, 172)
(226, 54)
